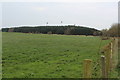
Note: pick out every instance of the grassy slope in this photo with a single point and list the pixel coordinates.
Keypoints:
(51, 56)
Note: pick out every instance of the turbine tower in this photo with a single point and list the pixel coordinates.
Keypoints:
(46, 23)
(61, 22)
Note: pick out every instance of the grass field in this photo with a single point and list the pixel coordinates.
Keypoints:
(48, 56)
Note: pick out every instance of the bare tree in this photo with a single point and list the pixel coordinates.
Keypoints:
(11, 30)
(104, 32)
(50, 32)
(113, 31)
(68, 31)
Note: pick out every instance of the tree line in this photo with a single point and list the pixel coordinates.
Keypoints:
(113, 31)
(68, 30)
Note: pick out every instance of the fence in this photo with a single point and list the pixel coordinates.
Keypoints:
(107, 61)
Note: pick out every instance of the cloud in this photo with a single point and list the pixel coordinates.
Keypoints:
(96, 14)
(59, 0)
(38, 8)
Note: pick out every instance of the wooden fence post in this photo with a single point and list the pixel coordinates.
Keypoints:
(103, 65)
(111, 55)
(111, 47)
(87, 68)
(108, 60)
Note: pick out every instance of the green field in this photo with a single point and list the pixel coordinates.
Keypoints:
(48, 56)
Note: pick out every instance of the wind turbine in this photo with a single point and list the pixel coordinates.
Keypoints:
(61, 22)
(46, 23)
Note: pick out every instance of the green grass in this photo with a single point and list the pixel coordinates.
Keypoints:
(48, 56)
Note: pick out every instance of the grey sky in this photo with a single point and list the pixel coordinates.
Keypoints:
(97, 15)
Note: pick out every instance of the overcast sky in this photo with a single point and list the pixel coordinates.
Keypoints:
(93, 14)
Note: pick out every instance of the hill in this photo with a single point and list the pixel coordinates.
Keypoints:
(69, 30)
